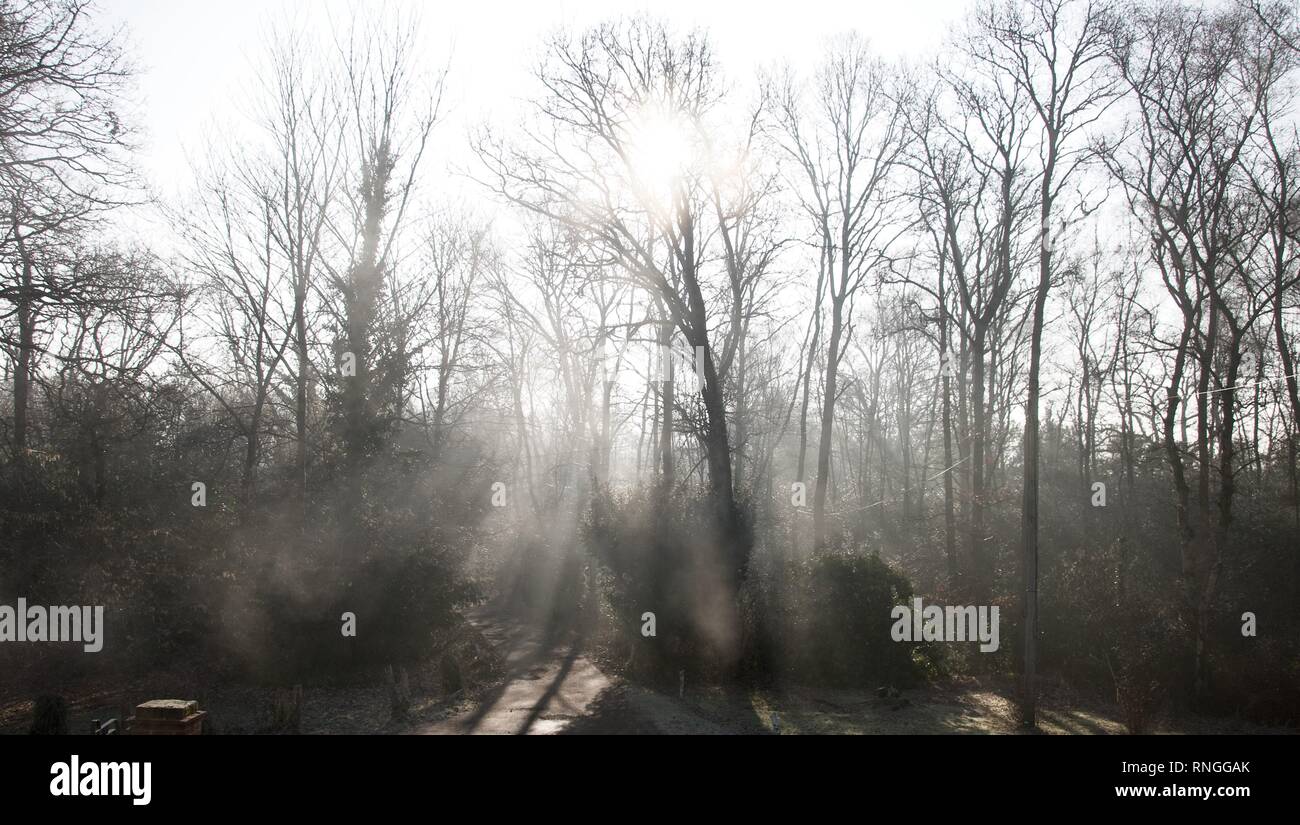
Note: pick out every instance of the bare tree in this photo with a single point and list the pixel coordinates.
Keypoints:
(1182, 170)
(847, 149)
(303, 124)
(62, 158)
(458, 255)
(242, 284)
(969, 152)
(628, 154)
(1056, 52)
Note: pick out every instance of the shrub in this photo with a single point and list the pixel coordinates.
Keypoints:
(827, 620)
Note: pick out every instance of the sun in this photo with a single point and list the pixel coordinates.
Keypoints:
(661, 151)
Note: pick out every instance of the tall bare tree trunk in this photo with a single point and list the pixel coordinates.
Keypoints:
(1029, 510)
(667, 471)
(979, 561)
(300, 390)
(827, 421)
(26, 349)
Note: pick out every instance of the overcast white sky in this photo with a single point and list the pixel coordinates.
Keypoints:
(194, 55)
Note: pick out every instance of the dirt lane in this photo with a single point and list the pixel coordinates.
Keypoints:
(552, 688)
